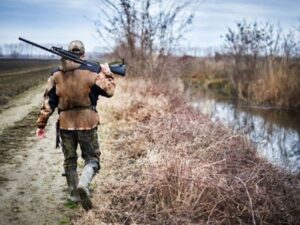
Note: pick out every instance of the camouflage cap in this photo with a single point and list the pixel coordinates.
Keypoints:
(76, 47)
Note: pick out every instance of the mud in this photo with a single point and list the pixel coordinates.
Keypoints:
(32, 188)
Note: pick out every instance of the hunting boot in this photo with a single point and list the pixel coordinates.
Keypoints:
(72, 180)
(83, 187)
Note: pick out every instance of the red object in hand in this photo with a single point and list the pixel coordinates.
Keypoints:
(40, 133)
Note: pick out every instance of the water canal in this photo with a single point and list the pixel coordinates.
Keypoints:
(275, 132)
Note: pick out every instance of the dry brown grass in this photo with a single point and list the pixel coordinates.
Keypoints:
(171, 165)
(274, 83)
(280, 87)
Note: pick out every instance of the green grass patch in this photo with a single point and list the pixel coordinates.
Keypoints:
(71, 205)
(64, 221)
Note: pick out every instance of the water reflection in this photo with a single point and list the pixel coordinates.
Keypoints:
(276, 133)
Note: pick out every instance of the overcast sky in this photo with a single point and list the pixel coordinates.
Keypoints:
(58, 21)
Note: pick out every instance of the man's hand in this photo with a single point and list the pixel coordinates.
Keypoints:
(105, 69)
(40, 133)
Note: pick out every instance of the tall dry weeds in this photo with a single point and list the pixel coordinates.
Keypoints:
(266, 63)
(173, 165)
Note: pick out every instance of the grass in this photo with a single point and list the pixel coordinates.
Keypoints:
(275, 84)
(169, 164)
(64, 221)
(71, 205)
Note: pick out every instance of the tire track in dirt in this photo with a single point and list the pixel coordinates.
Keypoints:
(32, 188)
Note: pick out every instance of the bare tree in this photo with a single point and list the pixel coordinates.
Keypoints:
(248, 44)
(145, 31)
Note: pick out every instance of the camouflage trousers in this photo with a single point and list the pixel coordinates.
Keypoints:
(88, 142)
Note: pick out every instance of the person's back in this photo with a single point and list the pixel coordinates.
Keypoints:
(74, 90)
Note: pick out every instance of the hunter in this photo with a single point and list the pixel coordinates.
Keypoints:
(74, 89)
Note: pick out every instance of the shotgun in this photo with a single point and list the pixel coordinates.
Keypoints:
(119, 69)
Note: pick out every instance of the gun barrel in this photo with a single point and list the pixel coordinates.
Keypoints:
(37, 45)
(117, 69)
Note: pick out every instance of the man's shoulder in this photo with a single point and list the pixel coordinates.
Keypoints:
(93, 69)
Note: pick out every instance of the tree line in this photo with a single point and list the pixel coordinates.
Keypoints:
(23, 50)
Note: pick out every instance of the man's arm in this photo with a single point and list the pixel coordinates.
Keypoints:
(105, 81)
(50, 102)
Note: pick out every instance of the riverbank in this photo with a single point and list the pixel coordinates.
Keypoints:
(165, 163)
(275, 132)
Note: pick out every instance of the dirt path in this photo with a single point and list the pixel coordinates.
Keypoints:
(32, 188)
(19, 108)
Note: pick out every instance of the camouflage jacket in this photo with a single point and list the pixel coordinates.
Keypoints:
(74, 90)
